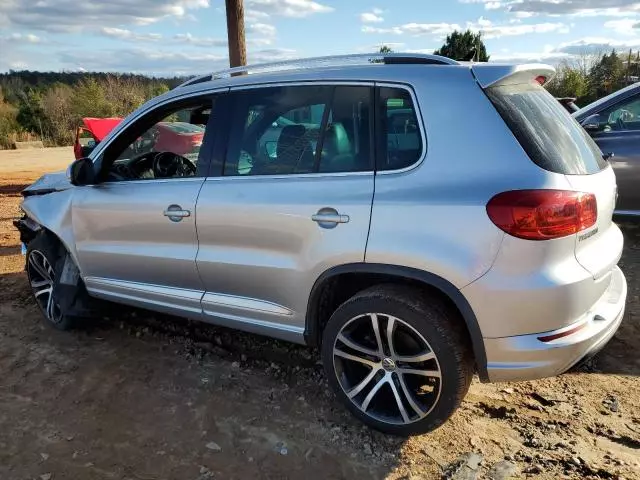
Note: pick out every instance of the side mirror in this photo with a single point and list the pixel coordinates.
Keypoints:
(81, 172)
(592, 123)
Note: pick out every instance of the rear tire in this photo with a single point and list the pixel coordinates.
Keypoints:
(44, 262)
(412, 375)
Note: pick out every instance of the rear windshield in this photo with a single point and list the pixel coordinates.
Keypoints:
(549, 135)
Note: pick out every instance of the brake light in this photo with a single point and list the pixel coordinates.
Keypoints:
(543, 214)
(541, 79)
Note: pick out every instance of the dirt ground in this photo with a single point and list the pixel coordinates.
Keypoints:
(142, 396)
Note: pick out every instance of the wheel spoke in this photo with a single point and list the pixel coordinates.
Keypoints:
(44, 290)
(424, 373)
(351, 344)
(396, 394)
(39, 268)
(376, 330)
(409, 397)
(39, 284)
(372, 393)
(358, 388)
(423, 357)
(50, 307)
(391, 326)
(354, 358)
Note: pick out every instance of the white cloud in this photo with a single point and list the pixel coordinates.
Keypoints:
(370, 17)
(122, 34)
(596, 45)
(488, 4)
(73, 15)
(574, 7)
(488, 28)
(491, 30)
(155, 62)
(199, 41)
(20, 38)
(263, 29)
(251, 15)
(414, 29)
(288, 8)
(626, 26)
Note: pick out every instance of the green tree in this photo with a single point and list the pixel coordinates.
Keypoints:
(90, 100)
(569, 82)
(8, 122)
(385, 49)
(462, 45)
(606, 75)
(30, 112)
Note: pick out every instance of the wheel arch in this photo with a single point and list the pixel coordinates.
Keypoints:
(322, 291)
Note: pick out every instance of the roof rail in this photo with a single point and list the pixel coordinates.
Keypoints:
(328, 61)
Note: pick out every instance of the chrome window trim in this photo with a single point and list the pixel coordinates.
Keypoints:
(149, 180)
(136, 115)
(293, 175)
(304, 83)
(423, 132)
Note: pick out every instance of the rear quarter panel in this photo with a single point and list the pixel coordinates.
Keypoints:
(433, 216)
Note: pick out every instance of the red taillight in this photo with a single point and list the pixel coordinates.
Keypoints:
(541, 79)
(543, 214)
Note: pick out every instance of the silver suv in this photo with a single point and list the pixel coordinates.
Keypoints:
(418, 219)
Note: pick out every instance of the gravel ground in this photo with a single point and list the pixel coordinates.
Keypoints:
(142, 396)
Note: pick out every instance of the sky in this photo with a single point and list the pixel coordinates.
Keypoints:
(182, 37)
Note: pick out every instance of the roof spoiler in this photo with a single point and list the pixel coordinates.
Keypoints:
(493, 75)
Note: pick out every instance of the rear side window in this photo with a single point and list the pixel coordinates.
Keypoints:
(549, 135)
(399, 138)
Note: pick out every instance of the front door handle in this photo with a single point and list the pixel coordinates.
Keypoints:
(176, 213)
(329, 218)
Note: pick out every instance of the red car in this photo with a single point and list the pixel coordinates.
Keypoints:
(180, 138)
(98, 128)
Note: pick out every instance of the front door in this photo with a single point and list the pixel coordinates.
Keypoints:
(619, 133)
(135, 230)
(293, 200)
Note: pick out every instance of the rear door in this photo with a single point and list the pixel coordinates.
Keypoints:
(292, 200)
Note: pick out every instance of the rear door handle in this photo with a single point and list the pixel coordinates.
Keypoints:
(329, 218)
(176, 213)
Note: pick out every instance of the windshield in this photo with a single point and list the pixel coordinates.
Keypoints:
(546, 131)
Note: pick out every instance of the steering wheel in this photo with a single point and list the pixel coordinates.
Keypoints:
(169, 164)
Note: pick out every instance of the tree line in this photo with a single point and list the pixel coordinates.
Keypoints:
(49, 106)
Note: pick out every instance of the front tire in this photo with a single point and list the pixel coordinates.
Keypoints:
(397, 359)
(45, 258)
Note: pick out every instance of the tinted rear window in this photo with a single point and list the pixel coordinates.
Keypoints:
(549, 135)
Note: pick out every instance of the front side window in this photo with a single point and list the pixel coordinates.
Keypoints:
(165, 144)
(623, 116)
(301, 129)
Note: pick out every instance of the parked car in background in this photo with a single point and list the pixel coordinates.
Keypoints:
(614, 123)
(97, 129)
(344, 203)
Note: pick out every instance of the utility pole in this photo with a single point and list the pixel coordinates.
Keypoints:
(235, 33)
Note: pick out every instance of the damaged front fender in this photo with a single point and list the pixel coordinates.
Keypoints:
(52, 212)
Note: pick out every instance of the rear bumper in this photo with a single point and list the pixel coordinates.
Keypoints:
(527, 357)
